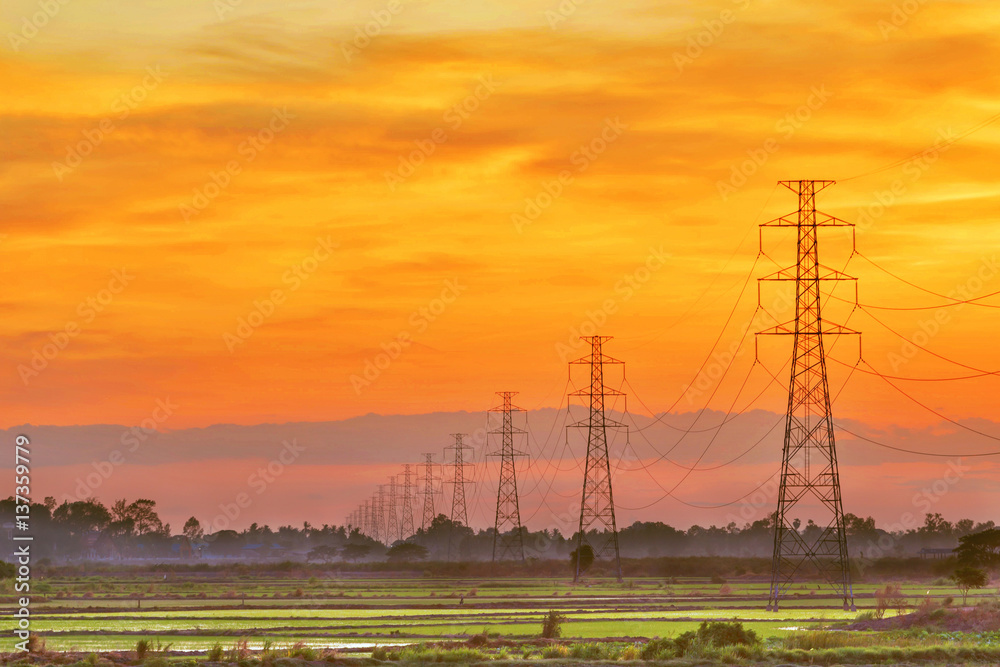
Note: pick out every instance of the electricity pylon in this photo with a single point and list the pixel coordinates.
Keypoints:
(429, 491)
(392, 517)
(379, 533)
(406, 522)
(459, 510)
(809, 461)
(508, 540)
(597, 506)
(366, 524)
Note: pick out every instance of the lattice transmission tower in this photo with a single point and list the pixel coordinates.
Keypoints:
(508, 538)
(406, 521)
(391, 515)
(378, 532)
(430, 489)
(366, 524)
(598, 529)
(459, 510)
(809, 473)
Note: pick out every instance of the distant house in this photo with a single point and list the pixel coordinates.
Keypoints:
(180, 547)
(935, 554)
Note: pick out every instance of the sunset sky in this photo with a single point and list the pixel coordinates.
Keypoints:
(238, 205)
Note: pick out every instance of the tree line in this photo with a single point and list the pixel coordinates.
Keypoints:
(91, 530)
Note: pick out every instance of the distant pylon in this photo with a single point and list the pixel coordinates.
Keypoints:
(597, 506)
(508, 541)
(379, 532)
(459, 510)
(429, 490)
(809, 468)
(366, 525)
(406, 522)
(392, 516)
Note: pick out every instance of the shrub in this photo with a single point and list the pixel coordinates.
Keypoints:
(552, 625)
(555, 652)
(659, 649)
(719, 634)
(214, 653)
(142, 648)
(718, 579)
(300, 650)
(889, 597)
(590, 651)
(629, 653)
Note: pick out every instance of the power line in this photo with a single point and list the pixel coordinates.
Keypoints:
(947, 144)
(925, 349)
(955, 302)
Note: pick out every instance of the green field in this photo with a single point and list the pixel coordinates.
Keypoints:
(195, 611)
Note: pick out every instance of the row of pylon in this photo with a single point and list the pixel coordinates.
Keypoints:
(809, 461)
(387, 516)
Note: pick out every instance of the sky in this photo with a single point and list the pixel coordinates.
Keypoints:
(296, 212)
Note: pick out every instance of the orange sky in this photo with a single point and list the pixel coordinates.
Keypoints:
(242, 151)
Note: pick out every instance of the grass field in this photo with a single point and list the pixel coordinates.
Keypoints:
(196, 611)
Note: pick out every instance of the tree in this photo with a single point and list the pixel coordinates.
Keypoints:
(979, 549)
(193, 530)
(324, 553)
(354, 552)
(586, 558)
(967, 578)
(82, 516)
(406, 552)
(143, 513)
(552, 625)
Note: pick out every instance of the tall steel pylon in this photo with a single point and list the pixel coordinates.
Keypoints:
(597, 506)
(809, 462)
(459, 510)
(429, 491)
(406, 521)
(508, 540)
(379, 529)
(391, 516)
(366, 525)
